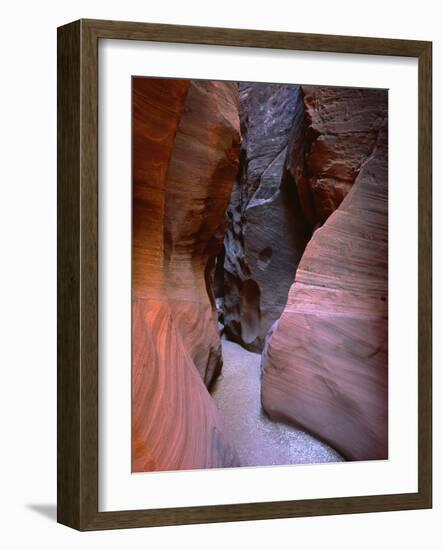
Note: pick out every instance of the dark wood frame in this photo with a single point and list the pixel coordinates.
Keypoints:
(77, 456)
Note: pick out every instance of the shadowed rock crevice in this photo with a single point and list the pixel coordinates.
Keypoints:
(250, 310)
(266, 232)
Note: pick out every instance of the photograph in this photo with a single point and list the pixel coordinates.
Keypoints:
(220, 288)
(259, 274)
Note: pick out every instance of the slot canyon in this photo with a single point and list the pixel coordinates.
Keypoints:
(259, 274)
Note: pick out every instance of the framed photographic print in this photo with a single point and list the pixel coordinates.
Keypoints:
(244, 275)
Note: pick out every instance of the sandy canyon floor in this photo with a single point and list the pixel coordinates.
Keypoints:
(259, 440)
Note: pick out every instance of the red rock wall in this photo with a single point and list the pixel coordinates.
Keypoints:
(341, 126)
(302, 149)
(325, 367)
(186, 142)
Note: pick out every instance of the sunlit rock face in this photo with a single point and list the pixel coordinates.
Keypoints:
(186, 143)
(325, 366)
(267, 231)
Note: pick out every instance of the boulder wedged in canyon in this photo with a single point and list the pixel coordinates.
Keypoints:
(341, 126)
(266, 232)
(325, 366)
(186, 145)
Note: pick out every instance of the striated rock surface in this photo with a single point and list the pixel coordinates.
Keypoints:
(266, 232)
(175, 423)
(178, 213)
(200, 177)
(341, 126)
(303, 147)
(325, 366)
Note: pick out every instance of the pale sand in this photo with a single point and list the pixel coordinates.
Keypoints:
(259, 440)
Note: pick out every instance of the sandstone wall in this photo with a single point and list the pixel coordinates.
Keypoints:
(266, 232)
(341, 126)
(325, 366)
(186, 147)
(302, 149)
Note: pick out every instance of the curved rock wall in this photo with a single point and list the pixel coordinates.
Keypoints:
(266, 232)
(178, 213)
(325, 366)
(303, 147)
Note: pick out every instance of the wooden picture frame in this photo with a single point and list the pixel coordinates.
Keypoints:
(77, 457)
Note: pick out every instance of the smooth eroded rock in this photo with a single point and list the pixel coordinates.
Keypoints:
(325, 366)
(266, 232)
(186, 145)
(175, 423)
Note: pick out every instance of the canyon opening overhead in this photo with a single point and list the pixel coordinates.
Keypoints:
(260, 274)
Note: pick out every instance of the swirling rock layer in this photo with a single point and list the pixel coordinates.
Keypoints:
(175, 423)
(325, 366)
(186, 146)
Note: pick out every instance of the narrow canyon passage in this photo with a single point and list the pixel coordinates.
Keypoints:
(259, 274)
(258, 440)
